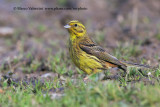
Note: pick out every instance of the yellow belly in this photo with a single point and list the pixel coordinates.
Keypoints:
(88, 63)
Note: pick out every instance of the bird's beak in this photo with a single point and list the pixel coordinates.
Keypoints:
(67, 26)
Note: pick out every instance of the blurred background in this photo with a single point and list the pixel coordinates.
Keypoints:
(128, 29)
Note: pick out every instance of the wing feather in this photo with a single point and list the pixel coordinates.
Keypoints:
(99, 52)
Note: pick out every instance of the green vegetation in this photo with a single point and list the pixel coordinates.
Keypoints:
(68, 90)
(35, 67)
(101, 93)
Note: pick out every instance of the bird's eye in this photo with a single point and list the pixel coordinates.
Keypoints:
(75, 25)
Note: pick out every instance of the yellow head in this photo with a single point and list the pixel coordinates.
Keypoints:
(75, 28)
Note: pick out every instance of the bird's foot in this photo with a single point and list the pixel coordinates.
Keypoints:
(86, 78)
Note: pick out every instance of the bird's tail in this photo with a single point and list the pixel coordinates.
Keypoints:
(139, 66)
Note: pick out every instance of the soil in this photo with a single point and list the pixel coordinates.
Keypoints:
(41, 33)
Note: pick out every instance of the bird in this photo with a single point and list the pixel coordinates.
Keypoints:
(88, 56)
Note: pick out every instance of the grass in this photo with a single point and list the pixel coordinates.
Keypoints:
(130, 91)
(101, 93)
(130, 50)
(67, 88)
(158, 36)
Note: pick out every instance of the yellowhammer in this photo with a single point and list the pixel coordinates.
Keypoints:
(88, 56)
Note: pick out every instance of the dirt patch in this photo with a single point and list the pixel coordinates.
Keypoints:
(38, 35)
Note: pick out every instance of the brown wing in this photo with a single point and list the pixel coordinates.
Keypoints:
(99, 52)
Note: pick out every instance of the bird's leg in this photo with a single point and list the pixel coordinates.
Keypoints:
(87, 77)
